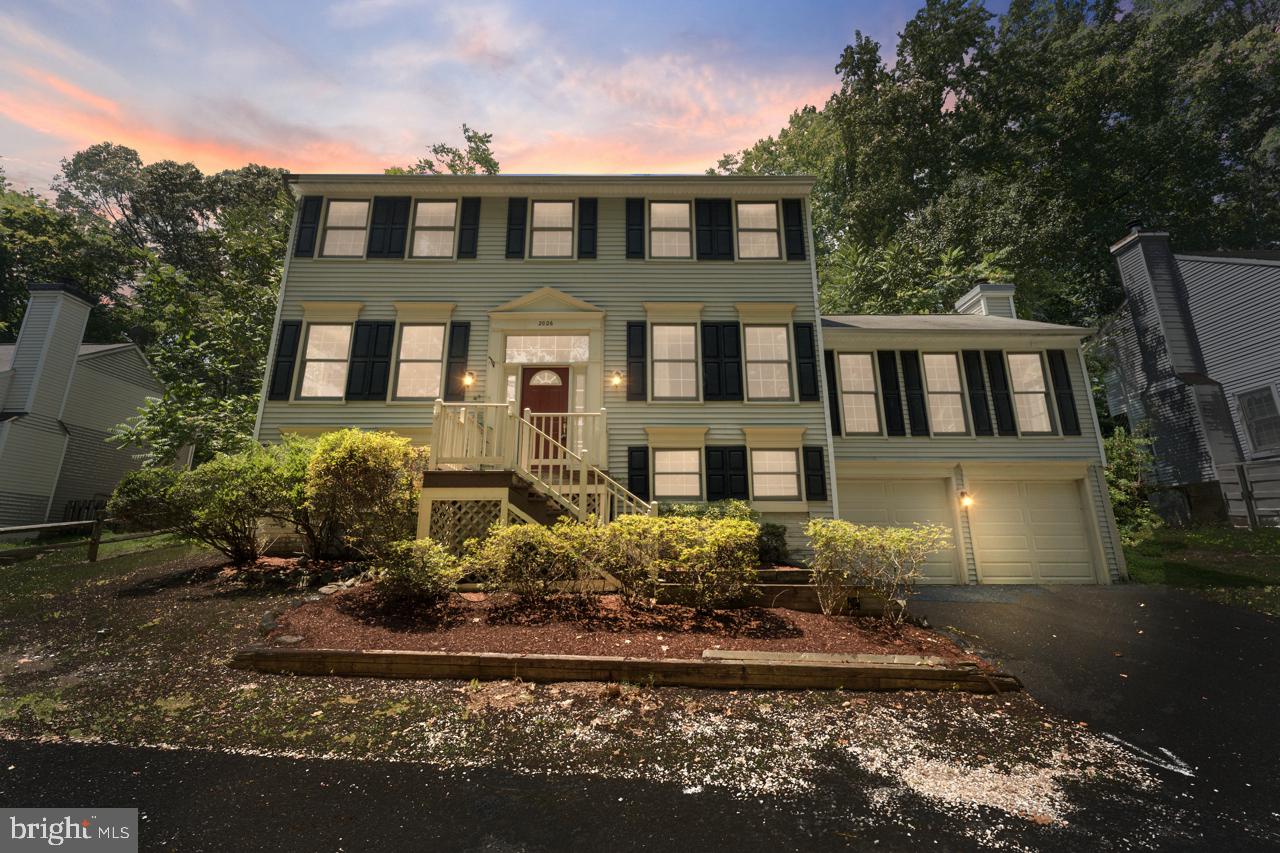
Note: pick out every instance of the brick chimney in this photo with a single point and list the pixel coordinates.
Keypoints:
(988, 299)
(45, 355)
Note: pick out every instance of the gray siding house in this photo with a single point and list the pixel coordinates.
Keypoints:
(59, 400)
(590, 345)
(1194, 354)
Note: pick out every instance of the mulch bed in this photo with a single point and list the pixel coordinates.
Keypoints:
(360, 618)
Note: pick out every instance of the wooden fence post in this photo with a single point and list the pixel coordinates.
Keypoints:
(95, 537)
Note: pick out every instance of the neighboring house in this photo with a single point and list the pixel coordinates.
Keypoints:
(1194, 354)
(59, 400)
(587, 345)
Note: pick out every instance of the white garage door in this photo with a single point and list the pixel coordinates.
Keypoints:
(903, 503)
(1030, 532)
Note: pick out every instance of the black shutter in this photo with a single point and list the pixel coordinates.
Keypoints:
(286, 356)
(977, 383)
(388, 227)
(727, 473)
(721, 361)
(638, 471)
(637, 332)
(833, 393)
(469, 228)
(1067, 415)
(807, 362)
(635, 228)
(370, 360)
(714, 224)
(815, 474)
(456, 364)
(517, 212)
(893, 422)
(793, 228)
(587, 208)
(917, 411)
(1000, 396)
(308, 226)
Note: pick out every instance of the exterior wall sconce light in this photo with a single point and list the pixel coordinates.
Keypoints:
(616, 379)
(468, 379)
(966, 499)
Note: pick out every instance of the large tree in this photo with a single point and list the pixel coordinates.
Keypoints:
(1020, 147)
(474, 157)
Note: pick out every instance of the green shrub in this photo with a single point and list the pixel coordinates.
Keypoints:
(887, 560)
(1129, 464)
(640, 549)
(530, 561)
(289, 503)
(714, 509)
(363, 484)
(716, 564)
(143, 499)
(773, 545)
(420, 569)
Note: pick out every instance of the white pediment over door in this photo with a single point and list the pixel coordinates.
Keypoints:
(546, 300)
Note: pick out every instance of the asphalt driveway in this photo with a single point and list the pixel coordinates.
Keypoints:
(1189, 685)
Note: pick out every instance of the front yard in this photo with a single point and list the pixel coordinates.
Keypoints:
(133, 650)
(1234, 566)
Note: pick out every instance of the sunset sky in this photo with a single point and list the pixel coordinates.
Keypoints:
(357, 85)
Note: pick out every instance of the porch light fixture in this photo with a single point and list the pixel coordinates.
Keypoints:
(468, 379)
(616, 379)
(966, 499)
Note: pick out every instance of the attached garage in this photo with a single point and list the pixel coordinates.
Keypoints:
(903, 503)
(1030, 531)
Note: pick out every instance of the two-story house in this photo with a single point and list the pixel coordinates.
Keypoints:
(591, 344)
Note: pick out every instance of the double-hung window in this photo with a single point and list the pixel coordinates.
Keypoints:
(861, 413)
(346, 228)
(324, 361)
(775, 474)
(677, 474)
(1261, 418)
(945, 393)
(758, 230)
(551, 234)
(1030, 393)
(434, 226)
(768, 363)
(670, 232)
(419, 364)
(675, 361)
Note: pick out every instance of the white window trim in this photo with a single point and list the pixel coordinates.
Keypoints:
(301, 369)
(963, 394)
(414, 229)
(1047, 393)
(877, 393)
(777, 231)
(696, 360)
(572, 229)
(324, 230)
(1244, 422)
(649, 229)
(791, 364)
(393, 392)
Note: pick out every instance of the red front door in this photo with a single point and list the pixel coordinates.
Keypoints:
(544, 391)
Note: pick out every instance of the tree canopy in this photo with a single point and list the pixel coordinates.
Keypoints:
(475, 157)
(1018, 147)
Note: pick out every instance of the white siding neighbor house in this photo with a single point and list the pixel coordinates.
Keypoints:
(59, 401)
(590, 345)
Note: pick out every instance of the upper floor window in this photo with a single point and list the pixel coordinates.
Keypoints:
(434, 224)
(775, 474)
(758, 230)
(345, 228)
(768, 363)
(552, 230)
(670, 230)
(677, 474)
(420, 363)
(945, 393)
(324, 361)
(675, 362)
(858, 394)
(1261, 416)
(1030, 393)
